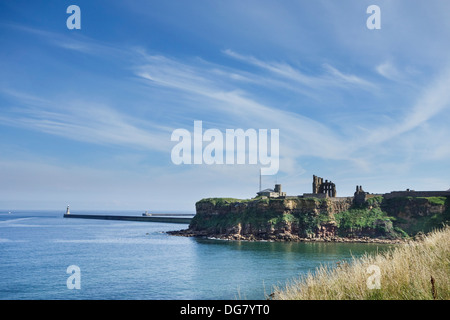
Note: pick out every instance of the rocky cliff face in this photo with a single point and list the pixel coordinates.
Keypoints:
(275, 219)
(307, 219)
(212, 207)
(421, 214)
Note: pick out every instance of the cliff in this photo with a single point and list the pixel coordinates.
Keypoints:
(309, 219)
(418, 214)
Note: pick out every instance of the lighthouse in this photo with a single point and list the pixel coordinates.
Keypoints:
(67, 210)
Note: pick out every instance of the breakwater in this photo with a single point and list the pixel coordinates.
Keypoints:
(173, 218)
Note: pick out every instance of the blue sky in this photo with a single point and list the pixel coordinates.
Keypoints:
(86, 115)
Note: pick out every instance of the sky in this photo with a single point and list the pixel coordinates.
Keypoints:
(86, 115)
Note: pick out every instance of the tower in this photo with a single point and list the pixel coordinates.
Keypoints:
(67, 210)
(278, 188)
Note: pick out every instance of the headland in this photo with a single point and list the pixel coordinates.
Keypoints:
(321, 216)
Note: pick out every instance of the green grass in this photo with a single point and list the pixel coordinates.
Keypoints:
(356, 218)
(435, 200)
(428, 223)
(226, 201)
(220, 201)
(374, 201)
(284, 218)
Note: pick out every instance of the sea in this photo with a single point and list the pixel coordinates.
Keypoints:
(44, 256)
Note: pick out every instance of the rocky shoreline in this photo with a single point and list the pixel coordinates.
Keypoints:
(283, 237)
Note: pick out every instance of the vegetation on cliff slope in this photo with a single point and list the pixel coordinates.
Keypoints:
(251, 215)
(412, 271)
(360, 220)
(421, 214)
(307, 217)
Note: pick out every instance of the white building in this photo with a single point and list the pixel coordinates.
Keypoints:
(272, 193)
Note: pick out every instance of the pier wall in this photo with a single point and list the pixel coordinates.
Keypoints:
(165, 219)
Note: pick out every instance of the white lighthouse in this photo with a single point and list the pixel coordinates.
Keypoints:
(67, 210)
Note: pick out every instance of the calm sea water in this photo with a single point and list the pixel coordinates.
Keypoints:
(138, 260)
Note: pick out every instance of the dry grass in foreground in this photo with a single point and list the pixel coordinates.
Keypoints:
(414, 271)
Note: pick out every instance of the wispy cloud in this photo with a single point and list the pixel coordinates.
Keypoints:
(300, 135)
(74, 42)
(339, 78)
(281, 69)
(388, 70)
(434, 99)
(218, 89)
(332, 76)
(223, 98)
(85, 121)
